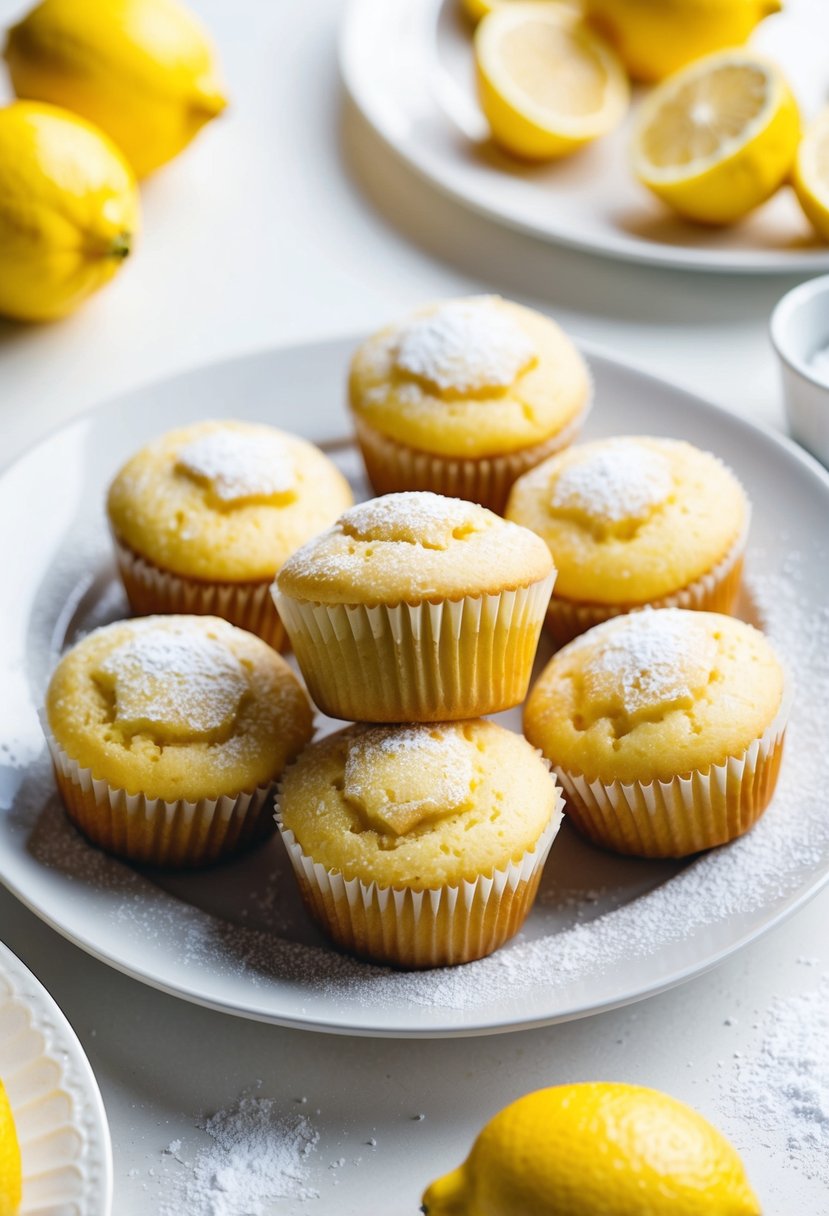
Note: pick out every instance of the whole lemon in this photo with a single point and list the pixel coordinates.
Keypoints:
(144, 71)
(592, 1150)
(657, 37)
(68, 210)
(10, 1171)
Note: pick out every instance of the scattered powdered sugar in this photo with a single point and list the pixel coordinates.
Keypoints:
(257, 1155)
(613, 481)
(403, 775)
(174, 680)
(239, 465)
(413, 517)
(465, 346)
(780, 1093)
(648, 659)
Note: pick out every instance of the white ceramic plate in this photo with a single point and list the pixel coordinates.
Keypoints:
(57, 1108)
(408, 67)
(605, 930)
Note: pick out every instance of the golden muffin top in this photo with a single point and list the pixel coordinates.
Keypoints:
(228, 501)
(632, 519)
(178, 707)
(470, 378)
(411, 547)
(654, 695)
(420, 806)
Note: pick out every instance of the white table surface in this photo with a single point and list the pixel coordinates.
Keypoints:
(287, 221)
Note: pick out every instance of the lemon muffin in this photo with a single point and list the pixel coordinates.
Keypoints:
(203, 517)
(167, 734)
(665, 729)
(419, 845)
(416, 608)
(464, 397)
(635, 521)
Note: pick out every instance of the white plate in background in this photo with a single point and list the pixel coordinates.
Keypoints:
(57, 1107)
(235, 937)
(409, 69)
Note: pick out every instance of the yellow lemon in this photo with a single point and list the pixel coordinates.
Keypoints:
(10, 1172)
(811, 173)
(546, 83)
(68, 210)
(592, 1150)
(144, 71)
(718, 138)
(476, 9)
(657, 37)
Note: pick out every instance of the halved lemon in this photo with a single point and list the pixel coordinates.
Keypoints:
(547, 84)
(811, 173)
(477, 9)
(718, 138)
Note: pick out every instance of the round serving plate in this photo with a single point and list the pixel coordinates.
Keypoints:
(409, 69)
(605, 930)
(58, 1112)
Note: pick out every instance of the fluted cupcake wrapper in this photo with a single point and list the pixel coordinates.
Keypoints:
(418, 662)
(154, 832)
(436, 927)
(685, 815)
(714, 591)
(150, 589)
(393, 466)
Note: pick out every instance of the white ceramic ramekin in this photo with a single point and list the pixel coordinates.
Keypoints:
(800, 328)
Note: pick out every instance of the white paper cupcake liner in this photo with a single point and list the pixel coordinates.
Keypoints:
(686, 814)
(154, 832)
(422, 928)
(714, 591)
(150, 589)
(392, 466)
(418, 662)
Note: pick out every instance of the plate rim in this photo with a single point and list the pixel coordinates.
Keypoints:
(598, 354)
(75, 1058)
(635, 250)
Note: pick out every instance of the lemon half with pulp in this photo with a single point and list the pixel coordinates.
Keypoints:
(10, 1166)
(547, 84)
(811, 174)
(719, 138)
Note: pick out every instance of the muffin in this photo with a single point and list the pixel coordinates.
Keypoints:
(167, 734)
(665, 729)
(419, 845)
(203, 517)
(464, 397)
(416, 608)
(633, 522)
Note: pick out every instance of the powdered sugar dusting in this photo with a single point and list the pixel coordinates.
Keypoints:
(414, 517)
(648, 659)
(403, 775)
(257, 1155)
(171, 679)
(781, 1088)
(614, 481)
(239, 465)
(465, 346)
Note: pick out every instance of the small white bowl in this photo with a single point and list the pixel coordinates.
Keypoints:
(799, 329)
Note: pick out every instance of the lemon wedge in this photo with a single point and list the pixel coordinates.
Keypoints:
(718, 138)
(546, 83)
(476, 9)
(594, 1149)
(657, 37)
(811, 174)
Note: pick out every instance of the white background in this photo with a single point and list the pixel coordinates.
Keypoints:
(287, 221)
